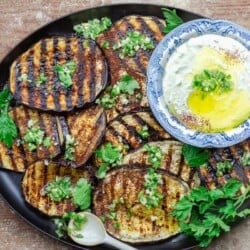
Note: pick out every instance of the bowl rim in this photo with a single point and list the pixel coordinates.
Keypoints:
(155, 70)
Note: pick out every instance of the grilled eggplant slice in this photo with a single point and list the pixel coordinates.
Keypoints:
(87, 127)
(172, 161)
(17, 157)
(125, 130)
(89, 77)
(134, 66)
(136, 223)
(210, 175)
(37, 177)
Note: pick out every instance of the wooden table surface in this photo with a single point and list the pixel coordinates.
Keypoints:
(18, 19)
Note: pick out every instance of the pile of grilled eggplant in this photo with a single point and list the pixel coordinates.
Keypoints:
(60, 112)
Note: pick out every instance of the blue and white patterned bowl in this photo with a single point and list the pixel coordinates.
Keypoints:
(155, 74)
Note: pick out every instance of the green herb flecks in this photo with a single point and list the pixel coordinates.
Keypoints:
(93, 28)
(205, 214)
(143, 132)
(133, 41)
(24, 78)
(172, 20)
(8, 131)
(194, 156)
(70, 148)
(125, 87)
(59, 189)
(151, 197)
(110, 156)
(245, 159)
(223, 167)
(154, 155)
(212, 81)
(65, 73)
(35, 137)
(41, 79)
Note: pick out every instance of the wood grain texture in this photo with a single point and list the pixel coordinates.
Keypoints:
(18, 19)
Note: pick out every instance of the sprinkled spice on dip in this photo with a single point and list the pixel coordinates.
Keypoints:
(206, 83)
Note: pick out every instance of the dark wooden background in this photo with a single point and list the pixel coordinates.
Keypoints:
(18, 19)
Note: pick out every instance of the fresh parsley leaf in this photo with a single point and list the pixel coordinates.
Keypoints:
(128, 84)
(65, 73)
(194, 156)
(172, 19)
(231, 188)
(8, 131)
(93, 28)
(81, 194)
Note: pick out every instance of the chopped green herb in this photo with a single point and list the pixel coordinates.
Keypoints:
(223, 167)
(212, 80)
(86, 44)
(245, 159)
(172, 20)
(81, 194)
(70, 145)
(102, 170)
(41, 79)
(65, 73)
(59, 189)
(24, 78)
(154, 155)
(204, 214)
(144, 132)
(8, 131)
(126, 85)
(93, 28)
(151, 197)
(116, 225)
(133, 41)
(194, 156)
(105, 44)
(47, 142)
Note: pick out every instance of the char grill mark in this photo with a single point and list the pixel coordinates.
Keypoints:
(233, 154)
(88, 79)
(38, 175)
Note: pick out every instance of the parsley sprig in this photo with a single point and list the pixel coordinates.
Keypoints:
(172, 19)
(93, 28)
(126, 85)
(110, 156)
(205, 214)
(8, 131)
(194, 156)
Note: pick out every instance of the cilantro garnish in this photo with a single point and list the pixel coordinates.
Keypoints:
(194, 156)
(172, 20)
(212, 80)
(65, 73)
(8, 131)
(133, 41)
(110, 156)
(70, 148)
(205, 214)
(93, 28)
(126, 85)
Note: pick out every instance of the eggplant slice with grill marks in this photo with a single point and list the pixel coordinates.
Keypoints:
(38, 175)
(125, 130)
(172, 161)
(136, 223)
(212, 177)
(87, 127)
(20, 154)
(135, 66)
(88, 79)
